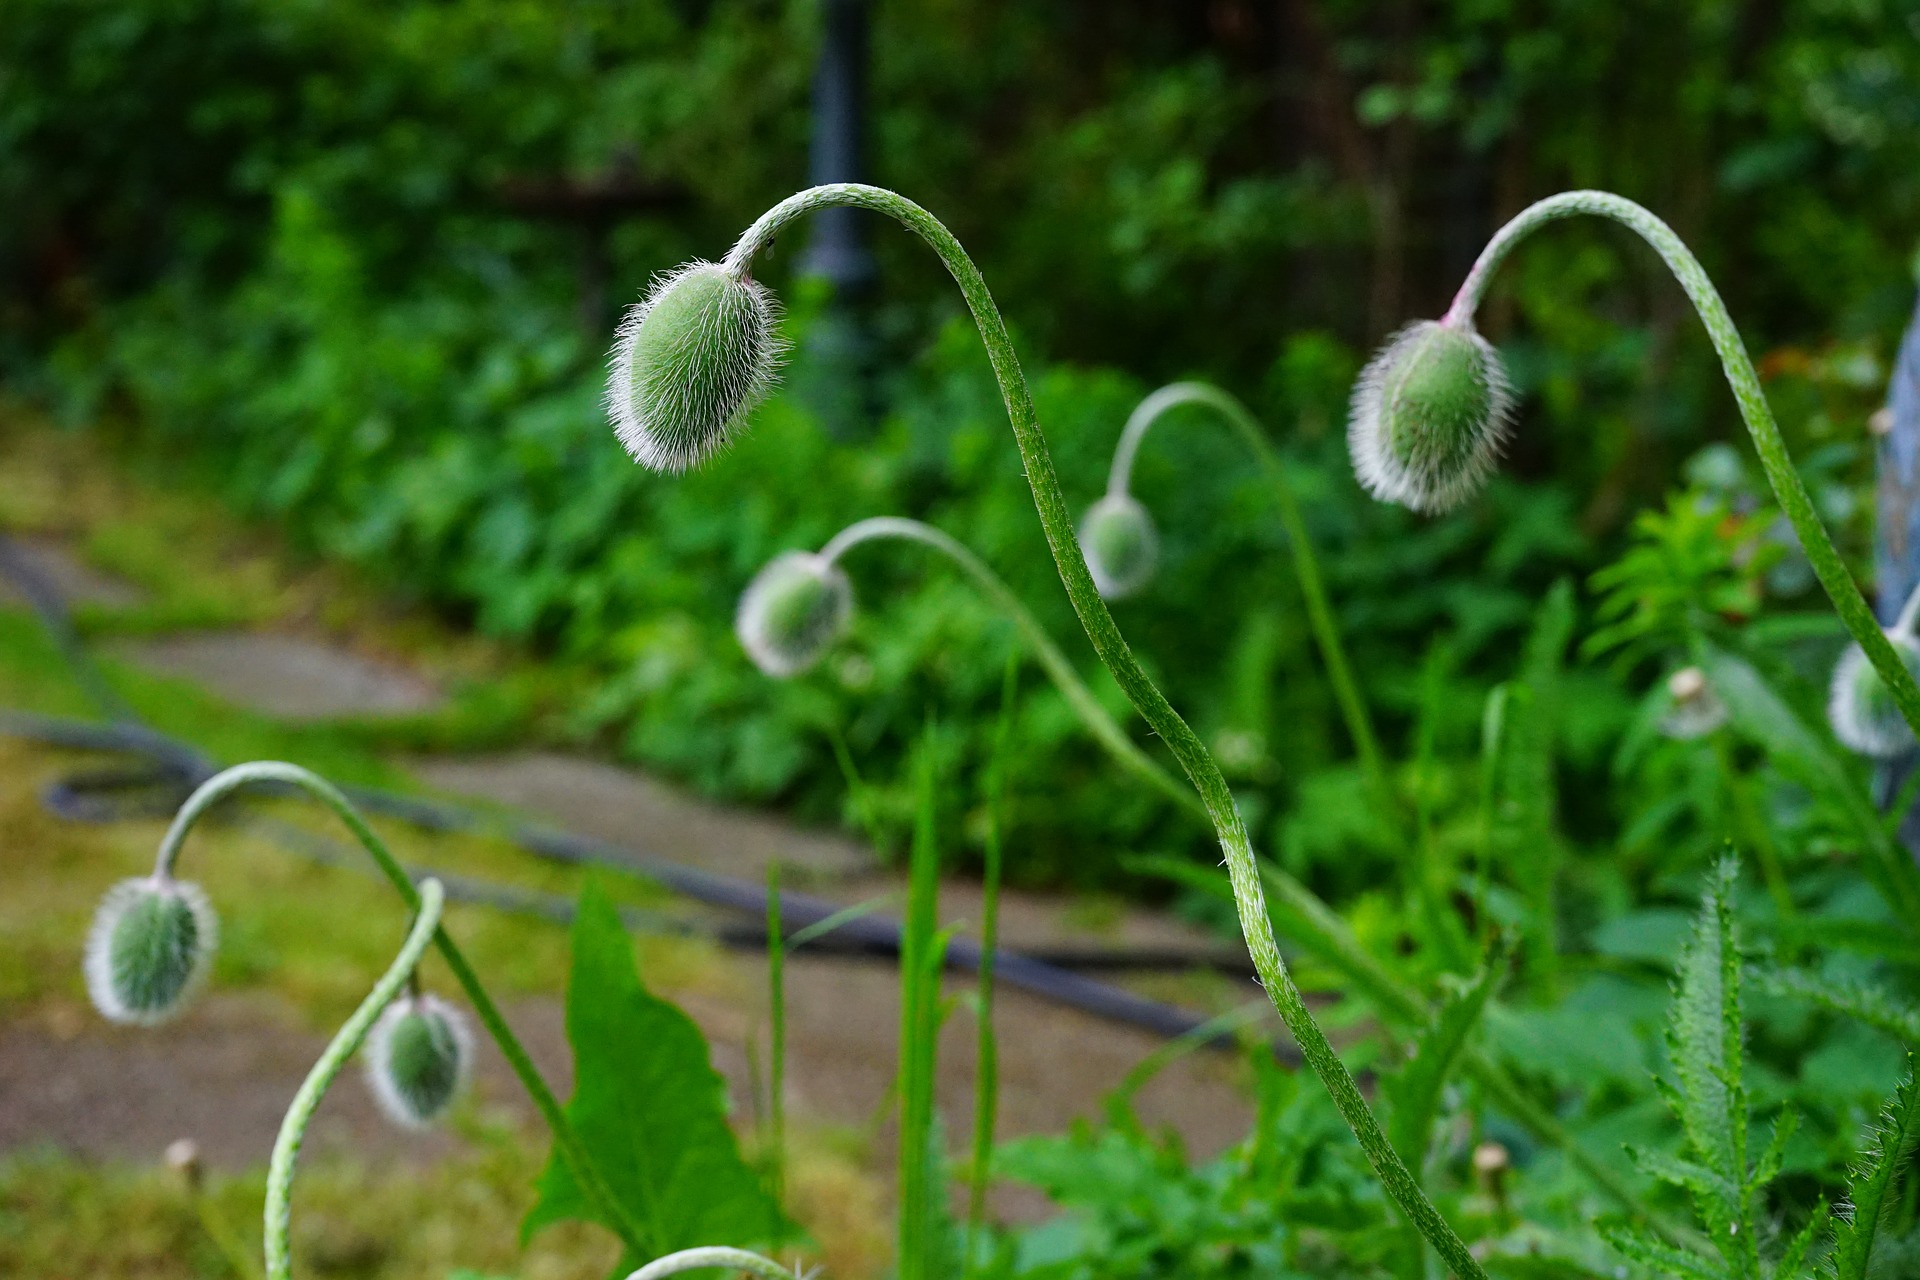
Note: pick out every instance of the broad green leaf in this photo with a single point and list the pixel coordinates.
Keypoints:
(1893, 1146)
(648, 1106)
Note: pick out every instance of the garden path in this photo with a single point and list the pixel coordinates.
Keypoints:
(223, 1073)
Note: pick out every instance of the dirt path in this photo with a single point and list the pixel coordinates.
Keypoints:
(224, 1073)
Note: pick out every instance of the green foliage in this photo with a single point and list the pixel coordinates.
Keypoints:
(1415, 1090)
(648, 1106)
(1870, 1208)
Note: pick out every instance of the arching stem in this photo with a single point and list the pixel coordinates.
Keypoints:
(346, 1042)
(1052, 661)
(1306, 566)
(265, 772)
(713, 1258)
(1792, 494)
(1057, 522)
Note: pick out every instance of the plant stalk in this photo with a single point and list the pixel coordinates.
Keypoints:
(345, 1043)
(1787, 487)
(1057, 522)
(217, 788)
(1306, 566)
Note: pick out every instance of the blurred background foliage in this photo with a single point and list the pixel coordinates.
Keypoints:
(318, 257)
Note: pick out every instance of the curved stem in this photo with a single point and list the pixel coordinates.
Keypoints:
(1774, 460)
(1057, 522)
(1306, 566)
(1045, 651)
(346, 1042)
(579, 1163)
(713, 1257)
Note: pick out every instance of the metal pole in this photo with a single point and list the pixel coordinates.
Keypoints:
(838, 248)
(1896, 549)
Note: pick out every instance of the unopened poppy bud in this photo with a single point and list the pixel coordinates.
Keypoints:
(689, 362)
(1121, 546)
(1693, 710)
(418, 1057)
(1860, 706)
(793, 611)
(150, 945)
(1430, 413)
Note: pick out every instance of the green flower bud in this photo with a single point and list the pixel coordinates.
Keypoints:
(1120, 544)
(689, 363)
(1430, 414)
(792, 611)
(418, 1057)
(150, 945)
(1861, 707)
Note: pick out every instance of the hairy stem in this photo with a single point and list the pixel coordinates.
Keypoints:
(1052, 661)
(1306, 567)
(1057, 522)
(346, 1042)
(275, 773)
(713, 1258)
(1792, 494)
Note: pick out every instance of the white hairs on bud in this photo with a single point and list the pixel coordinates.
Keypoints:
(1119, 517)
(400, 1108)
(792, 611)
(106, 985)
(1860, 707)
(1391, 478)
(675, 416)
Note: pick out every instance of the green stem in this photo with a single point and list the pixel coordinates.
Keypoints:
(346, 1042)
(1774, 460)
(1109, 734)
(713, 1258)
(1306, 567)
(1057, 522)
(572, 1151)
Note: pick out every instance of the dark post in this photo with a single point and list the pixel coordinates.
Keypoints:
(1896, 550)
(838, 249)
(834, 375)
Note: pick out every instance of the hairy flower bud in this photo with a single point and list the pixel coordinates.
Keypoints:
(1120, 544)
(150, 945)
(792, 611)
(1430, 413)
(688, 363)
(1860, 706)
(418, 1057)
(1693, 710)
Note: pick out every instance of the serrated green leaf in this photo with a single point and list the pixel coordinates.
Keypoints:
(1664, 1260)
(1894, 1142)
(1416, 1087)
(648, 1106)
(1793, 1259)
(1849, 999)
(1682, 1173)
(1703, 1036)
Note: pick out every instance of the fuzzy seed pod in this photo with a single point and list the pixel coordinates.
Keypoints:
(1860, 706)
(1430, 414)
(1121, 545)
(792, 611)
(150, 945)
(1694, 710)
(688, 364)
(418, 1057)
